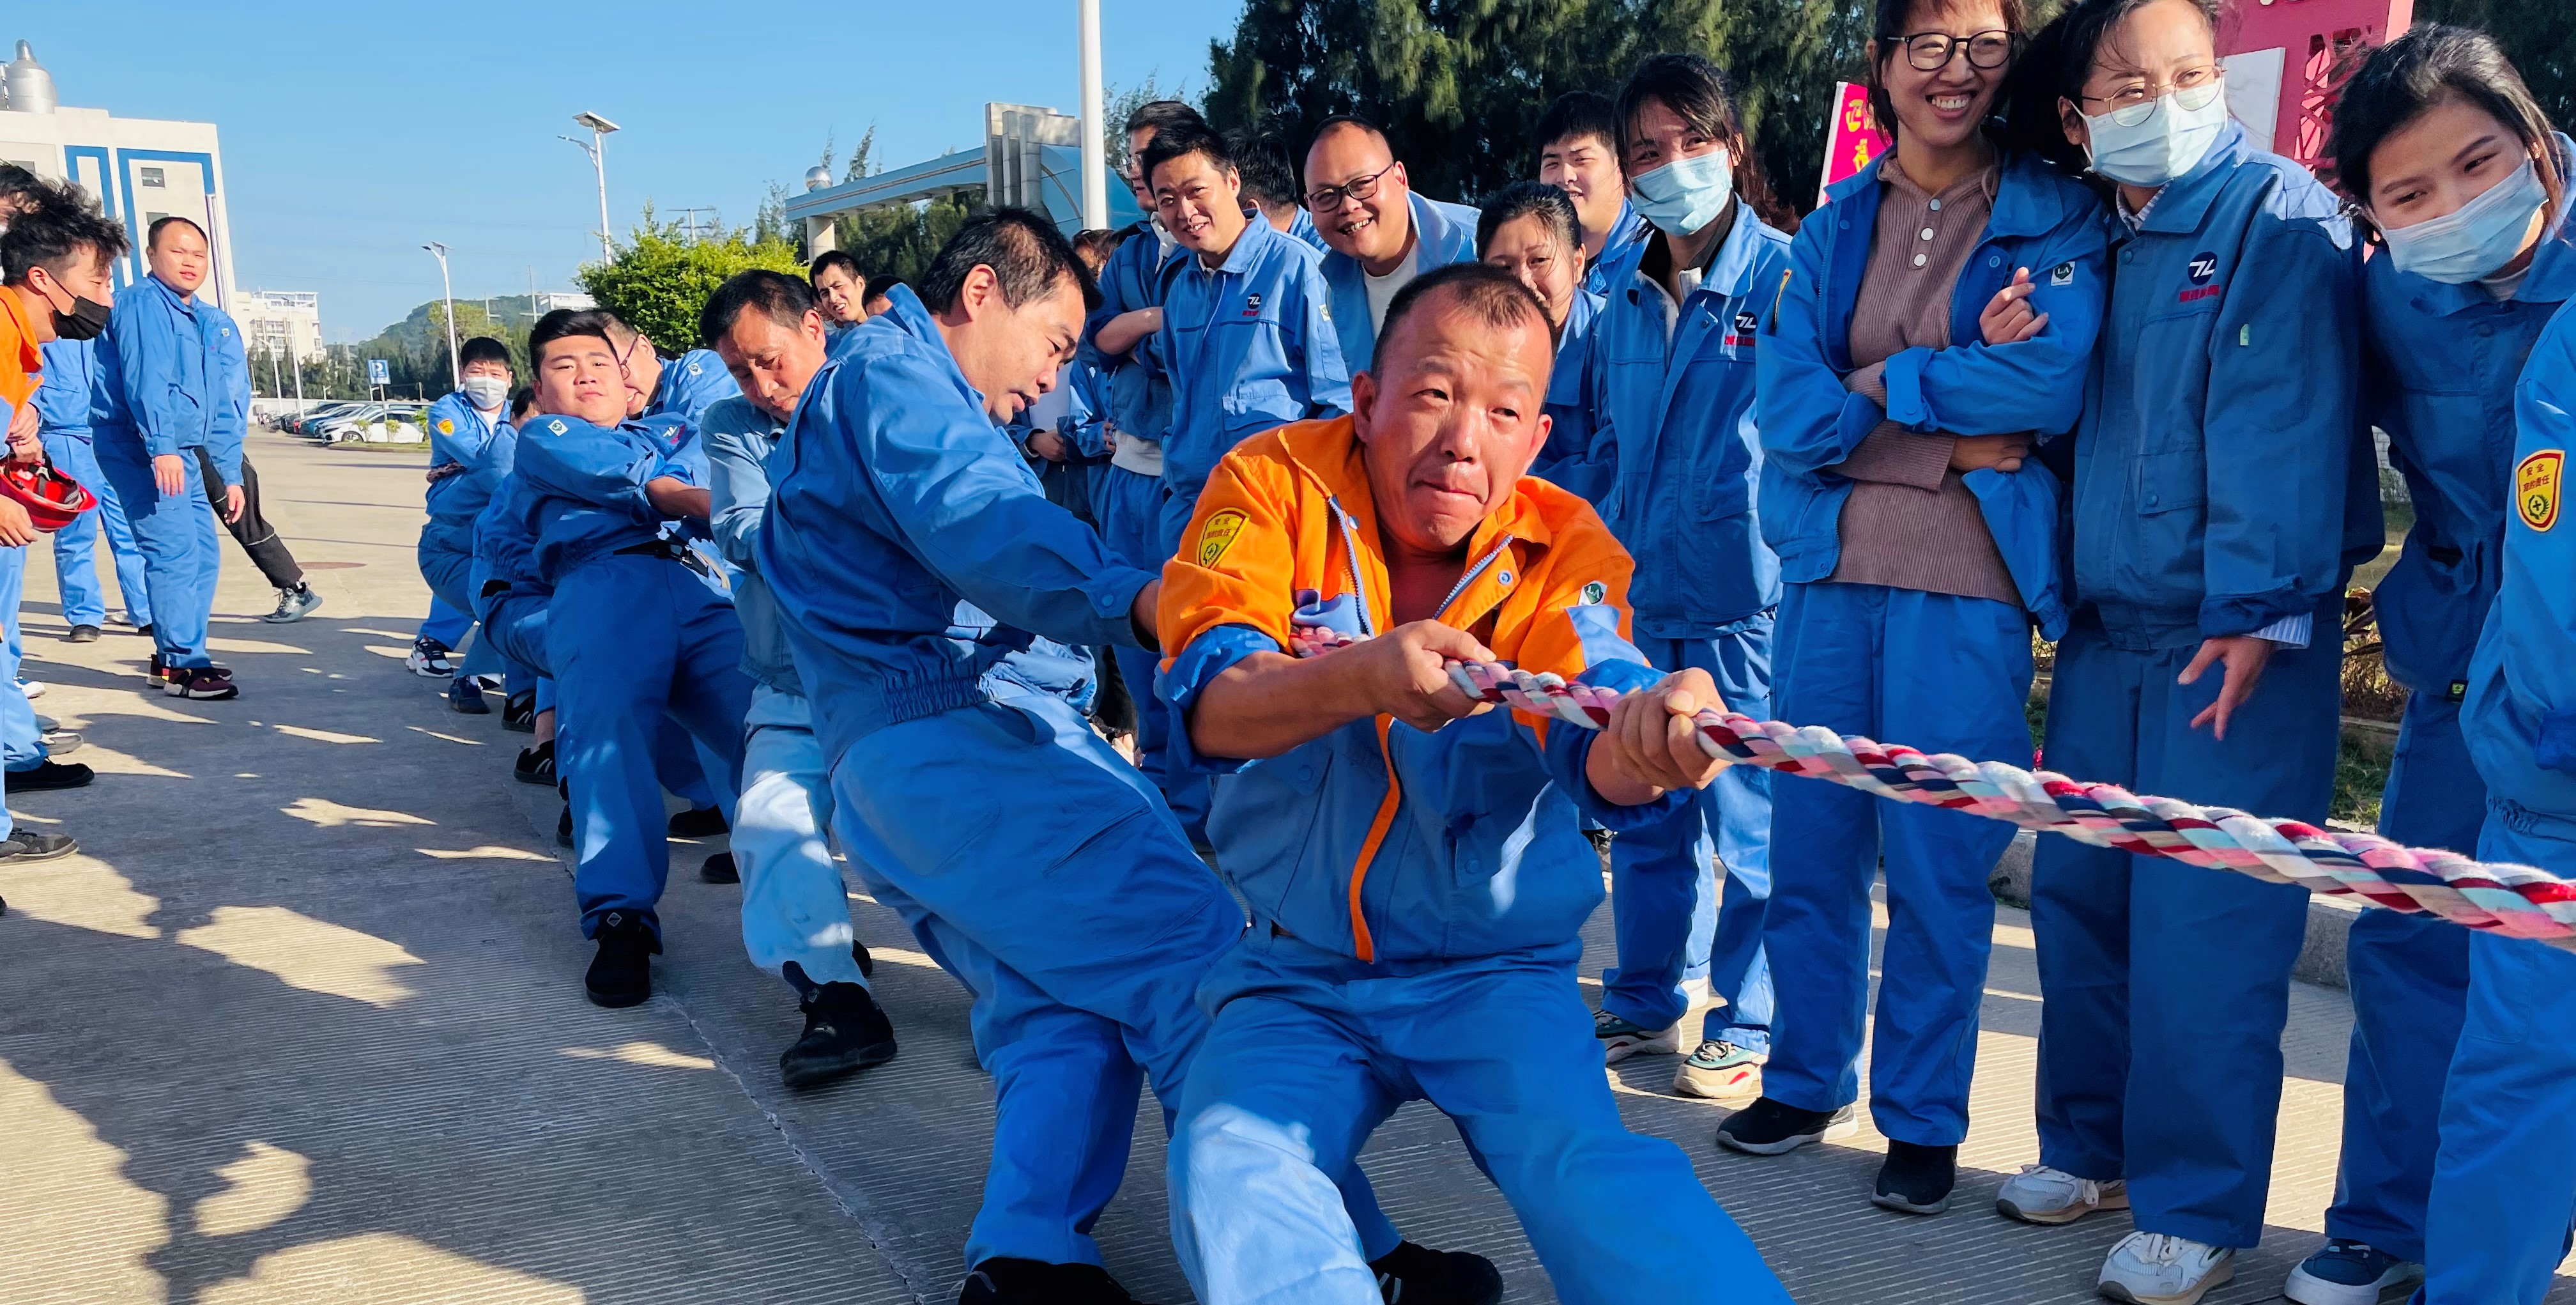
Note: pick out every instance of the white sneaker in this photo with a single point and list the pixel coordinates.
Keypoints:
(2349, 1272)
(34, 689)
(1720, 1071)
(2039, 1194)
(2154, 1269)
(1622, 1038)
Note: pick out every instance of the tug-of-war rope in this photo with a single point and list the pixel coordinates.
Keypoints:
(2517, 900)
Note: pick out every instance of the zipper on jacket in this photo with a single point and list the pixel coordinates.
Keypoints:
(1351, 560)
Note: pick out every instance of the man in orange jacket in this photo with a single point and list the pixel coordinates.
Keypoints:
(1415, 862)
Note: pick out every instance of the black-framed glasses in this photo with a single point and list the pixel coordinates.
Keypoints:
(1330, 198)
(1933, 51)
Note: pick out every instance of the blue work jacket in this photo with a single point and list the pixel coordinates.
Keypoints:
(483, 445)
(1251, 349)
(1140, 386)
(505, 553)
(690, 384)
(740, 441)
(151, 387)
(2041, 219)
(1442, 234)
(2442, 361)
(581, 487)
(1620, 251)
(913, 553)
(62, 397)
(1302, 226)
(2520, 717)
(227, 390)
(1680, 408)
(2214, 492)
(1579, 454)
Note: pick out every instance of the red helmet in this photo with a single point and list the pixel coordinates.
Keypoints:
(51, 498)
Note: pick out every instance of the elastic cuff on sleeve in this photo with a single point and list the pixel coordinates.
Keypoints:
(2290, 631)
(1179, 686)
(2225, 616)
(1113, 598)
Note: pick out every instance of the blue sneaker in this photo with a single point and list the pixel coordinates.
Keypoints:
(464, 695)
(2347, 1272)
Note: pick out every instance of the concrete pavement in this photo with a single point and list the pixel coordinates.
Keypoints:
(303, 1022)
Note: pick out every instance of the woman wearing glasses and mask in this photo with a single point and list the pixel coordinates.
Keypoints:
(2223, 485)
(1939, 320)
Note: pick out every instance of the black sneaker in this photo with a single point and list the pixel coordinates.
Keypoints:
(859, 953)
(465, 697)
(563, 827)
(50, 775)
(844, 1033)
(719, 869)
(1769, 1127)
(1917, 1179)
(1002, 1280)
(698, 822)
(210, 683)
(1418, 1275)
(429, 659)
(156, 670)
(27, 845)
(622, 973)
(536, 764)
(82, 634)
(519, 712)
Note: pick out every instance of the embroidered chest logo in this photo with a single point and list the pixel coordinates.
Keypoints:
(2203, 271)
(1252, 305)
(1740, 336)
(2535, 487)
(2062, 274)
(1218, 535)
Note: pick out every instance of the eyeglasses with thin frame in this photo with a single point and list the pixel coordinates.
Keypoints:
(2192, 89)
(1330, 198)
(1933, 51)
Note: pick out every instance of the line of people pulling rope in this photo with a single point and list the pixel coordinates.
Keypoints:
(2075, 358)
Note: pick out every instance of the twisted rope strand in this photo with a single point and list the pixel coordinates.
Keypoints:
(2516, 900)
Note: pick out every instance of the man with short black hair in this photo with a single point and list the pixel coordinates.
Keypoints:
(1270, 182)
(840, 289)
(880, 286)
(1578, 153)
(1378, 233)
(470, 447)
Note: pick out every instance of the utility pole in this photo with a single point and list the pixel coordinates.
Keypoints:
(1095, 158)
(599, 129)
(447, 291)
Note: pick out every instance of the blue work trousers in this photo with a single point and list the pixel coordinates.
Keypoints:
(2409, 976)
(451, 577)
(1130, 506)
(445, 623)
(517, 628)
(1664, 902)
(1311, 1051)
(21, 743)
(176, 535)
(1936, 672)
(794, 907)
(84, 599)
(636, 639)
(2167, 986)
(2504, 1183)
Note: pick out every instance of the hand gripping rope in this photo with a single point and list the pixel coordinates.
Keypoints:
(2515, 900)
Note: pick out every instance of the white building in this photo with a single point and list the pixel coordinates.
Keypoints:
(284, 322)
(141, 169)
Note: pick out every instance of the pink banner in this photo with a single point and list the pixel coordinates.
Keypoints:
(1853, 139)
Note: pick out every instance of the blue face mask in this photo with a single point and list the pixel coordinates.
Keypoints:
(1685, 195)
(2168, 141)
(2474, 240)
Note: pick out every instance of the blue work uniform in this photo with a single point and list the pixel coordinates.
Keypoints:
(462, 435)
(690, 384)
(228, 387)
(1620, 251)
(153, 396)
(1127, 504)
(1251, 347)
(62, 407)
(1443, 234)
(1302, 226)
(633, 637)
(1677, 389)
(2505, 1178)
(2217, 491)
(1579, 454)
(1945, 672)
(22, 746)
(2442, 363)
(794, 907)
(936, 606)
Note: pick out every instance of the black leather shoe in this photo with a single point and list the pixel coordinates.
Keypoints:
(1418, 1275)
(622, 973)
(50, 775)
(719, 869)
(82, 634)
(698, 822)
(845, 1032)
(1917, 1179)
(1002, 1280)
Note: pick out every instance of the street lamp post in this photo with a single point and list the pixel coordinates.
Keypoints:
(1095, 146)
(599, 129)
(447, 292)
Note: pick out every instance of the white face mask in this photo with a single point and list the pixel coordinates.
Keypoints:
(2478, 238)
(485, 392)
(2168, 140)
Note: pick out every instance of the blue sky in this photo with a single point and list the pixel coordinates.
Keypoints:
(353, 134)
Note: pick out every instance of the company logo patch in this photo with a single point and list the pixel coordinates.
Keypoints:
(2062, 274)
(1252, 305)
(556, 427)
(2535, 487)
(693, 371)
(446, 426)
(1596, 593)
(1218, 535)
(1741, 337)
(2203, 271)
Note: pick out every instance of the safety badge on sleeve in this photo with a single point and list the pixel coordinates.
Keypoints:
(446, 426)
(2535, 487)
(1218, 535)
